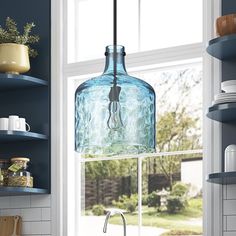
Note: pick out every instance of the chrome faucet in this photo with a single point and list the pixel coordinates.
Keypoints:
(111, 213)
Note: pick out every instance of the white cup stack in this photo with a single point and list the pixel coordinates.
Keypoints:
(229, 86)
(229, 95)
(14, 122)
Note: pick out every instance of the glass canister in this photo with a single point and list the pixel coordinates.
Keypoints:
(4, 164)
(19, 176)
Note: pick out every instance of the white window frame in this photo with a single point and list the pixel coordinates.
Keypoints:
(61, 70)
(213, 194)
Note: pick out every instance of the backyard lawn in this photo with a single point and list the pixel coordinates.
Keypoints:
(188, 220)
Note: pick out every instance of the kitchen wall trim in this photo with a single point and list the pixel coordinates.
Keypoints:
(212, 194)
(57, 148)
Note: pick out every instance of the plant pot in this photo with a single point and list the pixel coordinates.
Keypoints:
(14, 58)
(226, 25)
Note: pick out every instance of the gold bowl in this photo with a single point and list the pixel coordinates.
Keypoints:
(14, 58)
(226, 25)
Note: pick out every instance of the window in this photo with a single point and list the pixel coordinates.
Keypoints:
(128, 183)
(173, 66)
(151, 24)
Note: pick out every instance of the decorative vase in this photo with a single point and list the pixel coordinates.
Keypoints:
(230, 158)
(14, 58)
(96, 112)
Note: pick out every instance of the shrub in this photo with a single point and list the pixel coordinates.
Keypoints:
(175, 204)
(131, 206)
(98, 210)
(182, 232)
(145, 200)
(153, 200)
(180, 189)
(127, 203)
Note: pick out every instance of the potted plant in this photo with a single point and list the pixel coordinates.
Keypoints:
(15, 47)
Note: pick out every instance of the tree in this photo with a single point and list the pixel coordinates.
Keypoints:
(109, 169)
(178, 116)
(176, 131)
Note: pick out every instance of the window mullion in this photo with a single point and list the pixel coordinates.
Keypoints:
(139, 25)
(124, 157)
(140, 195)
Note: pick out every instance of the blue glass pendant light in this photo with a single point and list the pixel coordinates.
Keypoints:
(114, 112)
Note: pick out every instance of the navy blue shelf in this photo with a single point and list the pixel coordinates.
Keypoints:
(29, 97)
(17, 191)
(9, 135)
(225, 112)
(223, 48)
(12, 81)
(222, 178)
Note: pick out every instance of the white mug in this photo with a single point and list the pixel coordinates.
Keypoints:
(4, 123)
(14, 123)
(23, 125)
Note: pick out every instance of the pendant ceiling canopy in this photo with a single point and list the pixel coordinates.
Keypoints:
(114, 112)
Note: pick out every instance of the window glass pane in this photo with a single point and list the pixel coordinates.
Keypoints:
(172, 195)
(109, 185)
(91, 28)
(162, 24)
(170, 23)
(179, 106)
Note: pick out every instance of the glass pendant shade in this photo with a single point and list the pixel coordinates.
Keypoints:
(114, 117)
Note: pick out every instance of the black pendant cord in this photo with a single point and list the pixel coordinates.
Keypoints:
(115, 90)
(115, 41)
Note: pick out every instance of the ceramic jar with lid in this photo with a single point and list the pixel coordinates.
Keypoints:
(230, 158)
(19, 175)
(4, 164)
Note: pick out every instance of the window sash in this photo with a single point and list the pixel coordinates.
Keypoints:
(138, 156)
(153, 58)
(82, 161)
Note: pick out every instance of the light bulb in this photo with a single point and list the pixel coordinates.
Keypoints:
(114, 121)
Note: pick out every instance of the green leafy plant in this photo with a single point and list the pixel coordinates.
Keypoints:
(127, 203)
(180, 189)
(153, 200)
(145, 199)
(98, 210)
(175, 204)
(11, 34)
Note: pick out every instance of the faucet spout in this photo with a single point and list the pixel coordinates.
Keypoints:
(114, 212)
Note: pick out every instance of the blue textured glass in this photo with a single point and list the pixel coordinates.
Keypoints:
(109, 128)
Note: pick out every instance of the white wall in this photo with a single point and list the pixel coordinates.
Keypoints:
(191, 173)
(35, 211)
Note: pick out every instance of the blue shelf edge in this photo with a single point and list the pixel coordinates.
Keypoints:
(14, 191)
(222, 39)
(24, 79)
(224, 112)
(223, 47)
(222, 178)
(7, 135)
